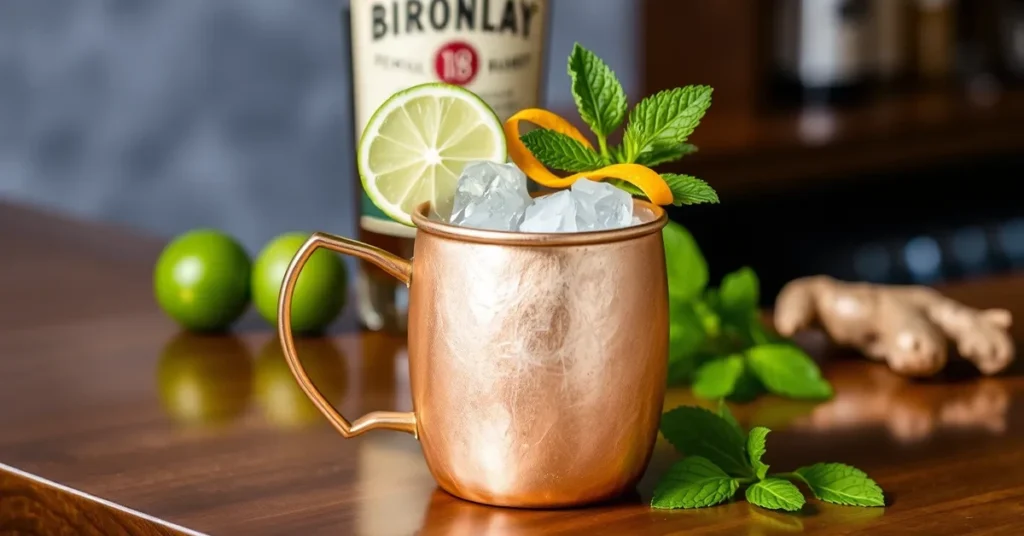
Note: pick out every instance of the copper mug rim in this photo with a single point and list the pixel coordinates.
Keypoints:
(486, 236)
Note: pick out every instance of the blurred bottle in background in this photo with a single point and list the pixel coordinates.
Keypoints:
(935, 41)
(891, 31)
(495, 48)
(841, 52)
(1009, 15)
(822, 52)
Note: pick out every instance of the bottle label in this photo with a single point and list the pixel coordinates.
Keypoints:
(494, 48)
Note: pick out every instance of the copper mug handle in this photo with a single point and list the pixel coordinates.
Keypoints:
(398, 267)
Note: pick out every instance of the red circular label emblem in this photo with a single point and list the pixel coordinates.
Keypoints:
(457, 63)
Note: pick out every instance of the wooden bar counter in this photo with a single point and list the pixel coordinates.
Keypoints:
(112, 422)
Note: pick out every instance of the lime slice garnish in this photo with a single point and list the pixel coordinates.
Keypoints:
(417, 142)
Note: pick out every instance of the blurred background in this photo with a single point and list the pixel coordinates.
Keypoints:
(867, 139)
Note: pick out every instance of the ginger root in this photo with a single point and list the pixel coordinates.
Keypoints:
(907, 326)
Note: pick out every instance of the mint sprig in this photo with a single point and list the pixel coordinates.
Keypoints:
(721, 459)
(716, 340)
(656, 133)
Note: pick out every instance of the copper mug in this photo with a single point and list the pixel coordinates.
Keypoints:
(537, 362)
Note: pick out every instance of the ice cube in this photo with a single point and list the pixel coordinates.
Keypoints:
(601, 206)
(555, 213)
(490, 195)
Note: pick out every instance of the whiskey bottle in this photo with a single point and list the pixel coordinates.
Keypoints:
(494, 48)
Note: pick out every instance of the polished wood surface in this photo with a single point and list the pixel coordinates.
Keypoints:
(100, 393)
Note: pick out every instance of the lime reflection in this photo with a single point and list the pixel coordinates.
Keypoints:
(204, 379)
(281, 400)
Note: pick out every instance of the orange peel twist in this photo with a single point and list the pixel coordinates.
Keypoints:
(643, 177)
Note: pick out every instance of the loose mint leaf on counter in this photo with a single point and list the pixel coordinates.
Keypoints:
(559, 151)
(841, 484)
(756, 447)
(694, 482)
(598, 94)
(776, 494)
(720, 458)
(786, 370)
(698, 432)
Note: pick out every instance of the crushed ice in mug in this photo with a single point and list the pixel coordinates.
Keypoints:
(494, 196)
(490, 196)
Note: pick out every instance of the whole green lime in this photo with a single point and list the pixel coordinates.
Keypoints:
(201, 280)
(319, 293)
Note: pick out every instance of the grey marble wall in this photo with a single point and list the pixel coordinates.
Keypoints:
(173, 114)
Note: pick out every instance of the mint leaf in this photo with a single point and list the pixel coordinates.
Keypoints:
(786, 370)
(687, 190)
(748, 387)
(686, 331)
(776, 494)
(664, 119)
(693, 483)
(717, 378)
(727, 416)
(841, 484)
(686, 267)
(739, 293)
(659, 153)
(685, 337)
(761, 334)
(709, 317)
(598, 94)
(698, 432)
(756, 447)
(558, 151)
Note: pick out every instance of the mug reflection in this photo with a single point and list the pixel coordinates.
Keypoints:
(452, 516)
(911, 411)
(281, 400)
(204, 380)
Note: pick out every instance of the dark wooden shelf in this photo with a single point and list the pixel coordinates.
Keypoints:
(750, 154)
